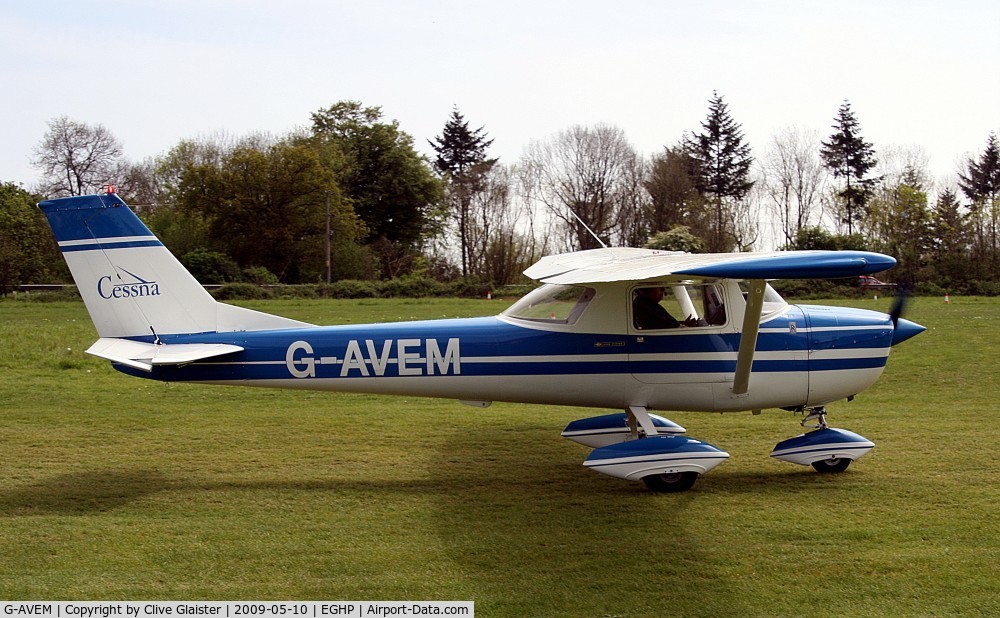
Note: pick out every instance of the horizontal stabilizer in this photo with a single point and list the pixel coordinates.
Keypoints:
(144, 356)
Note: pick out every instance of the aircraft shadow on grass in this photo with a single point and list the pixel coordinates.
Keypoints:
(81, 493)
(457, 477)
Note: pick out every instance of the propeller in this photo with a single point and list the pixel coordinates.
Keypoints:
(902, 329)
(898, 305)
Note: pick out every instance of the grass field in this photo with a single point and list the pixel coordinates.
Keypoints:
(118, 488)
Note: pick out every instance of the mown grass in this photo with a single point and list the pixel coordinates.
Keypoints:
(118, 488)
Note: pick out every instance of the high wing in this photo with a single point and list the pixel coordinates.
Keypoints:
(626, 264)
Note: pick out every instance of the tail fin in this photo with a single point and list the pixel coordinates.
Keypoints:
(132, 286)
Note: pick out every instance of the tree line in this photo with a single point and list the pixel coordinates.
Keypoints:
(262, 208)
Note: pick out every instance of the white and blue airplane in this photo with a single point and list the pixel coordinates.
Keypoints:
(626, 329)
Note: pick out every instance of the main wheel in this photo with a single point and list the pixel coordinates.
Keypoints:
(670, 482)
(832, 465)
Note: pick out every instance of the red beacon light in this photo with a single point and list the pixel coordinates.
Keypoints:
(112, 189)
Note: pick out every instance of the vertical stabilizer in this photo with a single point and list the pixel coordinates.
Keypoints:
(132, 285)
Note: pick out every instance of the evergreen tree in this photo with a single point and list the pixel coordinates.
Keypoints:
(949, 232)
(723, 163)
(461, 159)
(847, 155)
(981, 185)
(981, 181)
(905, 225)
(460, 149)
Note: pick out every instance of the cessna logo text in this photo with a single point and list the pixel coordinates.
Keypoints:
(411, 357)
(107, 288)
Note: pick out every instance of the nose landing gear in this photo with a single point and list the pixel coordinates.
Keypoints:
(827, 449)
(817, 414)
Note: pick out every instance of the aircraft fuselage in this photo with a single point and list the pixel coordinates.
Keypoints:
(805, 356)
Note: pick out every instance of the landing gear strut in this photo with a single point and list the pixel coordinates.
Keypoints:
(817, 414)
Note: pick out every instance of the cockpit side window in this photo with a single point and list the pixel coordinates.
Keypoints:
(679, 305)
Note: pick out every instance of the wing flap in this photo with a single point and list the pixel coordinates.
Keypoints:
(145, 356)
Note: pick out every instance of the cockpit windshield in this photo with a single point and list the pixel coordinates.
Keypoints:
(558, 304)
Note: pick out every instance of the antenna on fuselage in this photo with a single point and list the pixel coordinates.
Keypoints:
(587, 227)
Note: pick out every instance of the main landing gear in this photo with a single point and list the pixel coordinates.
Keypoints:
(637, 445)
(826, 449)
(670, 482)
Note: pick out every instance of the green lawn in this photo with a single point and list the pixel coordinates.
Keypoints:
(118, 488)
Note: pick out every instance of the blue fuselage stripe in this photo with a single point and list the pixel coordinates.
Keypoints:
(484, 347)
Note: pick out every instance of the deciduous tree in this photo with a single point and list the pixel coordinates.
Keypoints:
(675, 200)
(677, 238)
(262, 203)
(390, 187)
(501, 241)
(592, 173)
(793, 180)
(901, 226)
(76, 158)
(28, 253)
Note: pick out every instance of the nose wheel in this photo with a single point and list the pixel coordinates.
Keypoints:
(832, 465)
(670, 482)
(827, 449)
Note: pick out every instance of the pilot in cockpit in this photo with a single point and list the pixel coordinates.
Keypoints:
(649, 314)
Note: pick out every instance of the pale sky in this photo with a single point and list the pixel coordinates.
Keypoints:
(154, 72)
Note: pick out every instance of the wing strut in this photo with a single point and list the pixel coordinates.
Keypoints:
(748, 340)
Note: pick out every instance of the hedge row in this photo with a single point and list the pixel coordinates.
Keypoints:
(419, 287)
(403, 287)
